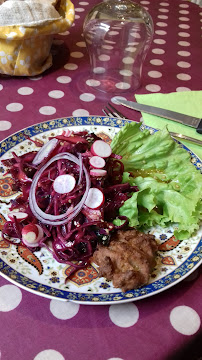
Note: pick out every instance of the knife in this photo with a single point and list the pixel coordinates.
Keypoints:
(168, 114)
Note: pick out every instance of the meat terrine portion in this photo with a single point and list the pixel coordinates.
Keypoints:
(128, 260)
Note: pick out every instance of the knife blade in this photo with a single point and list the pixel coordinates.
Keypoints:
(168, 114)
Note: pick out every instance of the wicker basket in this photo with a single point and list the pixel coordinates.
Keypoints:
(25, 48)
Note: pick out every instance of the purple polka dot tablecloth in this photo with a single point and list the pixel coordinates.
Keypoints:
(166, 326)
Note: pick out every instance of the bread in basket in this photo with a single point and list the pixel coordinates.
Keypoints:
(27, 28)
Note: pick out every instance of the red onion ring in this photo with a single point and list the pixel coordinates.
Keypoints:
(81, 169)
(70, 214)
(45, 151)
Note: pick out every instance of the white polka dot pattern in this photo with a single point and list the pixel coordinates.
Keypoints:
(47, 110)
(128, 60)
(184, 34)
(92, 82)
(158, 51)
(156, 62)
(87, 97)
(153, 88)
(122, 85)
(77, 54)
(160, 32)
(162, 17)
(5, 125)
(81, 44)
(162, 24)
(184, 26)
(70, 66)
(13, 107)
(104, 57)
(80, 112)
(184, 53)
(56, 94)
(185, 320)
(99, 70)
(182, 88)
(79, 9)
(184, 43)
(184, 77)
(126, 72)
(184, 6)
(155, 74)
(10, 297)
(64, 79)
(49, 355)
(184, 18)
(183, 64)
(124, 315)
(164, 10)
(63, 310)
(159, 41)
(184, 12)
(25, 91)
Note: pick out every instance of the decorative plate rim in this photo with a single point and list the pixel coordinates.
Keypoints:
(186, 268)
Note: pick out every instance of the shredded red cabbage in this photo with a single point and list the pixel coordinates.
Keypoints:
(72, 242)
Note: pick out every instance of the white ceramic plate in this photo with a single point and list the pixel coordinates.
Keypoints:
(42, 275)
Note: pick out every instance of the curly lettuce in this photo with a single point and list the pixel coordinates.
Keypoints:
(170, 187)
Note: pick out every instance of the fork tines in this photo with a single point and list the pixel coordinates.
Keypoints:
(110, 110)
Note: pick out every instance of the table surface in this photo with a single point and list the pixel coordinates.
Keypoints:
(164, 326)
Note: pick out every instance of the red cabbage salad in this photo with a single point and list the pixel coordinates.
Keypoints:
(70, 193)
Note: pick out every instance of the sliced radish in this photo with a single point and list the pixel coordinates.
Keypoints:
(95, 198)
(67, 132)
(40, 233)
(30, 234)
(97, 162)
(92, 214)
(64, 184)
(101, 148)
(18, 214)
(45, 151)
(49, 244)
(98, 172)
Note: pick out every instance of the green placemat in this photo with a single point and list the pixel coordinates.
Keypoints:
(186, 102)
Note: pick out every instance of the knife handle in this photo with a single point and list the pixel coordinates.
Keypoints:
(199, 128)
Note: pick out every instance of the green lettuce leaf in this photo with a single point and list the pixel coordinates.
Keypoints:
(170, 187)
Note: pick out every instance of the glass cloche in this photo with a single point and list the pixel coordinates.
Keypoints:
(118, 34)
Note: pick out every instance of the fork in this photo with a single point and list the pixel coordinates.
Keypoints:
(110, 110)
